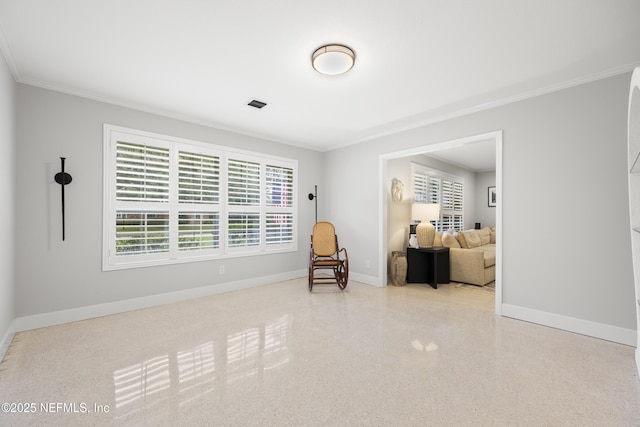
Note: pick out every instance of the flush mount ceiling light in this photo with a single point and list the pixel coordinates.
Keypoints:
(333, 59)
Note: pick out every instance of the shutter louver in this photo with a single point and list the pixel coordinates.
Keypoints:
(447, 190)
(198, 231)
(198, 178)
(169, 200)
(244, 230)
(142, 173)
(434, 190)
(243, 183)
(141, 232)
(279, 184)
(279, 228)
(420, 188)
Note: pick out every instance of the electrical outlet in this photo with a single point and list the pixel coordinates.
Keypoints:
(221, 270)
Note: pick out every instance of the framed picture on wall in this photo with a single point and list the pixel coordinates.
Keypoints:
(492, 197)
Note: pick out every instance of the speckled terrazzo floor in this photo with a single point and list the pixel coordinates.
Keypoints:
(277, 355)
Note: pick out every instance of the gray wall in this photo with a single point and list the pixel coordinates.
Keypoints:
(53, 275)
(483, 214)
(7, 193)
(564, 154)
(565, 252)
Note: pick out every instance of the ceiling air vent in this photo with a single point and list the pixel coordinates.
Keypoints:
(257, 104)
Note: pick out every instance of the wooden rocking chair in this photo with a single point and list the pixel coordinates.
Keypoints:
(325, 254)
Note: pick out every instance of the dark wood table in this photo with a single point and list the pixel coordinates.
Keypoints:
(428, 265)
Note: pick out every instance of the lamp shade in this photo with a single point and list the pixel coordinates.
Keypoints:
(425, 211)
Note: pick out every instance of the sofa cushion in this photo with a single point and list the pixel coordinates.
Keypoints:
(449, 241)
(485, 236)
(472, 238)
(489, 259)
(461, 240)
(493, 237)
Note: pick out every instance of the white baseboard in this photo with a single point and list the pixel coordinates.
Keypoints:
(367, 280)
(82, 313)
(571, 324)
(6, 340)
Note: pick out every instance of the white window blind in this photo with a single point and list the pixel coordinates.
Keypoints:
(139, 232)
(244, 183)
(172, 200)
(142, 172)
(279, 200)
(199, 178)
(199, 201)
(431, 186)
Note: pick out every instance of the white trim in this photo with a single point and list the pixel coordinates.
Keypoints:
(112, 134)
(571, 324)
(632, 150)
(83, 313)
(9, 57)
(499, 284)
(6, 340)
(494, 104)
(367, 280)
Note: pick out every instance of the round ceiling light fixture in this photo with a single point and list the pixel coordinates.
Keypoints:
(333, 59)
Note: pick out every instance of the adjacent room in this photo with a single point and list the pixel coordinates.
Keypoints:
(164, 164)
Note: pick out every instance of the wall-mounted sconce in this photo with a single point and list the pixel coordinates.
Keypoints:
(63, 179)
(314, 196)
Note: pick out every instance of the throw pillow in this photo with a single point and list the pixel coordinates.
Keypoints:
(472, 238)
(449, 241)
(485, 236)
(461, 240)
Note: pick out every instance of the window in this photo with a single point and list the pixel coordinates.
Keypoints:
(171, 200)
(431, 186)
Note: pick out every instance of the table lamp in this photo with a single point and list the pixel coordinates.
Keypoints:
(425, 231)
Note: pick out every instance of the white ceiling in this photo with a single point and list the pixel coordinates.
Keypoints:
(417, 61)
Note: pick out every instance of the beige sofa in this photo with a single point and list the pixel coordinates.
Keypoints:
(472, 255)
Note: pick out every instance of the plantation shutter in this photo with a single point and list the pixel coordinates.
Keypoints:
(434, 190)
(243, 183)
(243, 186)
(431, 186)
(279, 201)
(142, 173)
(458, 197)
(447, 195)
(199, 198)
(169, 200)
(142, 196)
(198, 178)
(420, 188)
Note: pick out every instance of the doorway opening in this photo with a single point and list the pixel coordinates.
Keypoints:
(385, 198)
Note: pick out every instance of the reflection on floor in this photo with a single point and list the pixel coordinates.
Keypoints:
(279, 355)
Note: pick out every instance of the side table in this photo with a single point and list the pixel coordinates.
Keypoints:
(428, 265)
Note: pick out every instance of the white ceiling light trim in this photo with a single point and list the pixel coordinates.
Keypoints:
(333, 59)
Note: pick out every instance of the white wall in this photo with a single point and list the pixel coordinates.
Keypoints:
(53, 275)
(565, 253)
(7, 195)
